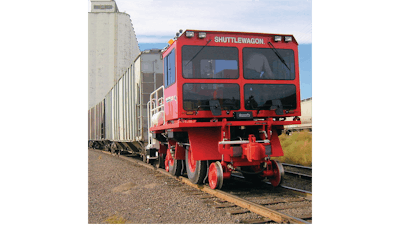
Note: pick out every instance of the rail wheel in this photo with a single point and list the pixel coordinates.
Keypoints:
(252, 174)
(278, 171)
(173, 166)
(196, 170)
(215, 175)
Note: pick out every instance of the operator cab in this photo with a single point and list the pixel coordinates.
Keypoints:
(210, 74)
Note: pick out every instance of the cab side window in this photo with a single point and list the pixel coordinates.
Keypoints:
(169, 69)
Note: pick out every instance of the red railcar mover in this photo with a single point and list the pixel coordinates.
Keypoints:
(225, 100)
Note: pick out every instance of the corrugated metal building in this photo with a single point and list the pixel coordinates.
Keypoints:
(112, 47)
(306, 112)
(306, 117)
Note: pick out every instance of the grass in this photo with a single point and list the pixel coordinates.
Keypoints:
(115, 219)
(297, 148)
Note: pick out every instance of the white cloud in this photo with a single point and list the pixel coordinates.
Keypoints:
(155, 19)
(153, 39)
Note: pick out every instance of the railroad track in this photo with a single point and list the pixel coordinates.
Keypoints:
(303, 172)
(277, 204)
(290, 189)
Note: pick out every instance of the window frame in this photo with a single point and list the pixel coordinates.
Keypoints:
(168, 67)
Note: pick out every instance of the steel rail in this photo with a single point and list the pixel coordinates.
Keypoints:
(296, 166)
(306, 176)
(295, 190)
(251, 206)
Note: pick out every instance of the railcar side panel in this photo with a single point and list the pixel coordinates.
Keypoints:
(171, 102)
(108, 117)
(148, 77)
(96, 122)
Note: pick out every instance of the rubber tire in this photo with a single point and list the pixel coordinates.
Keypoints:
(159, 163)
(197, 176)
(144, 158)
(176, 169)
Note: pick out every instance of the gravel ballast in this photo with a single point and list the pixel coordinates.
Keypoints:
(119, 189)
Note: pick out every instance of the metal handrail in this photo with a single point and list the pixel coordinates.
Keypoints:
(154, 105)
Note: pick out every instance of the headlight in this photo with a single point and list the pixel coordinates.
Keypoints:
(288, 38)
(202, 35)
(189, 34)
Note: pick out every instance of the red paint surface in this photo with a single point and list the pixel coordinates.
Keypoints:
(204, 143)
(174, 109)
(204, 136)
(276, 145)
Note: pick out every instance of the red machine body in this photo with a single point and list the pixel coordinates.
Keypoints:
(221, 106)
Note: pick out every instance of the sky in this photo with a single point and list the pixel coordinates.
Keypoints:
(155, 22)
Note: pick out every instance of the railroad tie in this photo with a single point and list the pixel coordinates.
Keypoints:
(235, 212)
(296, 200)
(227, 205)
(197, 193)
(288, 206)
(218, 201)
(206, 197)
(260, 220)
(272, 202)
(306, 216)
(282, 201)
(208, 201)
(193, 191)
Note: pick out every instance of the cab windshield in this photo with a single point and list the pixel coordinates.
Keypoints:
(267, 64)
(210, 62)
